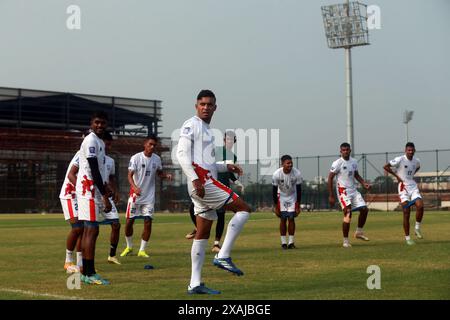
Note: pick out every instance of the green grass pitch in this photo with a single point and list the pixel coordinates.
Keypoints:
(32, 251)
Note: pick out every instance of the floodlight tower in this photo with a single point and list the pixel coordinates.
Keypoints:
(407, 117)
(346, 27)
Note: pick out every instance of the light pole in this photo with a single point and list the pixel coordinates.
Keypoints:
(407, 117)
(346, 27)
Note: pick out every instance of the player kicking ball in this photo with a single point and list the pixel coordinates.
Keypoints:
(405, 167)
(286, 194)
(345, 169)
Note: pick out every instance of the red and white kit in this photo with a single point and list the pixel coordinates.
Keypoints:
(67, 194)
(287, 188)
(405, 169)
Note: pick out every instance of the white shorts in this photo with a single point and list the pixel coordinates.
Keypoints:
(89, 209)
(216, 196)
(70, 208)
(112, 215)
(408, 193)
(135, 210)
(286, 205)
(349, 197)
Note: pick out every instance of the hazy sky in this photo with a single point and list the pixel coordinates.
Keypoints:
(266, 60)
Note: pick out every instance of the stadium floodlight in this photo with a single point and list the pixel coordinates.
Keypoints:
(407, 117)
(346, 27)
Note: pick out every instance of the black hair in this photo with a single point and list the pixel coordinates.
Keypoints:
(151, 136)
(410, 144)
(345, 145)
(285, 157)
(205, 93)
(99, 114)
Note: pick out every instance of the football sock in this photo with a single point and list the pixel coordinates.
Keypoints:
(88, 267)
(233, 230)
(69, 256)
(283, 240)
(216, 243)
(143, 245)
(197, 259)
(291, 239)
(129, 241)
(407, 238)
(79, 259)
(112, 249)
(359, 229)
(345, 240)
(417, 225)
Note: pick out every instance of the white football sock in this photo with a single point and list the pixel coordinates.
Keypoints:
(129, 241)
(79, 258)
(407, 238)
(197, 259)
(417, 225)
(283, 240)
(345, 240)
(359, 229)
(216, 242)
(291, 239)
(69, 257)
(233, 230)
(143, 245)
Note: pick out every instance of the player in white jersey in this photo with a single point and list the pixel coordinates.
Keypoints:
(92, 193)
(69, 205)
(196, 155)
(346, 170)
(112, 217)
(142, 171)
(286, 194)
(405, 167)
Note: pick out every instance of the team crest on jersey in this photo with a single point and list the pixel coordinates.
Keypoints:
(92, 149)
(143, 165)
(406, 166)
(344, 168)
(147, 173)
(186, 130)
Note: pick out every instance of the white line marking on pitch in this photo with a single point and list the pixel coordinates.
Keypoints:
(36, 294)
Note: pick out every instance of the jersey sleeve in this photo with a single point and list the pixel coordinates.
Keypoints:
(76, 160)
(395, 162)
(418, 164)
(187, 130)
(113, 168)
(90, 147)
(132, 166)
(298, 175)
(159, 164)
(336, 166)
(275, 179)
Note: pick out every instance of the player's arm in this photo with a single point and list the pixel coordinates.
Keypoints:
(361, 180)
(164, 175)
(387, 168)
(98, 181)
(275, 199)
(185, 161)
(299, 198)
(135, 188)
(331, 198)
(72, 176)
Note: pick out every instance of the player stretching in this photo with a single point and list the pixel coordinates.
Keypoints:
(287, 193)
(69, 205)
(142, 171)
(196, 156)
(92, 194)
(406, 166)
(346, 170)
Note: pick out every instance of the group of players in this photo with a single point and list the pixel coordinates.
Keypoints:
(90, 182)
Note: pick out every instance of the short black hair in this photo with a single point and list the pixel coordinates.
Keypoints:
(107, 136)
(345, 145)
(151, 136)
(205, 93)
(99, 114)
(410, 144)
(285, 157)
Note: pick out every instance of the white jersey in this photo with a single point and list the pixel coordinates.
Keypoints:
(197, 145)
(406, 169)
(287, 184)
(345, 172)
(144, 176)
(110, 168)
(92, 147)
(68, 189)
